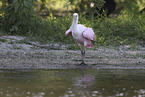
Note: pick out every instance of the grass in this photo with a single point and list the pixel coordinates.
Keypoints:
(140, 55)
(121, 30)
(3, 40)
(52, 30)
(125, 29)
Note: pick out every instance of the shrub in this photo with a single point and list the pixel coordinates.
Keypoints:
(20, 17)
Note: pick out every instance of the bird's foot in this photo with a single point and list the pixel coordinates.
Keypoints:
(82, 64)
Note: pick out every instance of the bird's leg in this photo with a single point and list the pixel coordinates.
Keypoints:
(83, 56)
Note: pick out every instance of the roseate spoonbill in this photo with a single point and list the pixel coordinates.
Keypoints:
(82, 35)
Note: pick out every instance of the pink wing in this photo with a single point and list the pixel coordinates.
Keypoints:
(89, 34)
(68, 33)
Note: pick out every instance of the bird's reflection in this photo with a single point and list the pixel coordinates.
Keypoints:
(83, 83)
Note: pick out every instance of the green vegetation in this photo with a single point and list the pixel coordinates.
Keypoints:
(3, 40)
(125, 29)
(19, 18)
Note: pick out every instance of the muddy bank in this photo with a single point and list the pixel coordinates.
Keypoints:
(68, 59)
(27, 56)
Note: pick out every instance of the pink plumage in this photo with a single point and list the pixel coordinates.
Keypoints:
(68, 33)
(89, 34)
(85, 38)
(81, 34)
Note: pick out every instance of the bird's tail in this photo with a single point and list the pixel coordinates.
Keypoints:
(88, 44)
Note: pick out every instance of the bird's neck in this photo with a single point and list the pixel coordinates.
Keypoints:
(74, 24)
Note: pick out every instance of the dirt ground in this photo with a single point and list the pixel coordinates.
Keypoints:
(14, 54)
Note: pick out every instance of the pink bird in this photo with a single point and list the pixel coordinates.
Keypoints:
(82, 35)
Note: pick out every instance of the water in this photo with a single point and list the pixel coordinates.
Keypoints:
(72, 83)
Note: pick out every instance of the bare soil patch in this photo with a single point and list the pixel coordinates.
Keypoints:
(14, 54)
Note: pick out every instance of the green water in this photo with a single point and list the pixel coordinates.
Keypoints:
(72, 83)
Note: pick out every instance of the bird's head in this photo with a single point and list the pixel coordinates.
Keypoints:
(75, 16)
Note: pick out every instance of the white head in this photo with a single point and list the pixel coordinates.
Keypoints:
(75, 16)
